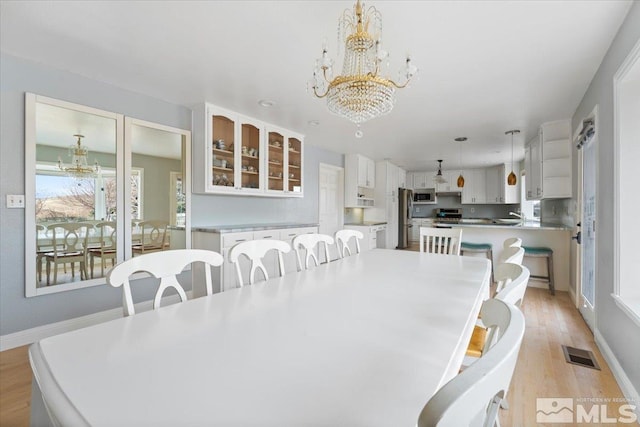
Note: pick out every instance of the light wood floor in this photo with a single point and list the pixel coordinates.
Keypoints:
(541, 370)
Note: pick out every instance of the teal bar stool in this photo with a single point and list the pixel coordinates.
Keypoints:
(542, 252)
(485, 248)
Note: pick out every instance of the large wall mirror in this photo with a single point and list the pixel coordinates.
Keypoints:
(100, 188)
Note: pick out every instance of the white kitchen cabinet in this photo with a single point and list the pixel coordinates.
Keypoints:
(371, 235)
(422, 180)
(555, 139)
(386, 201)
(357, 170)
(533, 169)
(235, 154)
(402, 178)
(224, 278)
(475, 188)
(416, 223)
(451, 185)
(495, 184)
(366, 172)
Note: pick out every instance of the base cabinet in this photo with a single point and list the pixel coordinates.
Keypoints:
(374, 237)
(224, 278)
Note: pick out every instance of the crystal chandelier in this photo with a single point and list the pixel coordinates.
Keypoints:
(79, 167)
(361, 92)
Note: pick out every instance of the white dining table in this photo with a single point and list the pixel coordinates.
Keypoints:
(361, 341)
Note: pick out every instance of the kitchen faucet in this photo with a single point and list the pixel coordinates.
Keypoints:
(519, 215)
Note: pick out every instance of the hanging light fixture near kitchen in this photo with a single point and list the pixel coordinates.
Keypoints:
(460, 140)
(363, 91)
(439, 178)
(512, 179)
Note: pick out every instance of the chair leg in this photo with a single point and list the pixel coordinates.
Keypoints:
(552, 286)
(490, 256)
(91, 260)
(55, 273)
(48, 271)
(73, 269)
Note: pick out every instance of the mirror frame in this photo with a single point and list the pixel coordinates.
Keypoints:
(123, 186)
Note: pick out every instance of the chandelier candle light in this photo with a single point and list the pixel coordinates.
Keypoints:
(79, 167)
(512, 179)
(361, 92)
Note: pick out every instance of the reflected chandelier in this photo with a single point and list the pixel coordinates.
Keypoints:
(79, 167)
(361, 92)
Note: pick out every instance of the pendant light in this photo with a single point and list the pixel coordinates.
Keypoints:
(460, 140)
(512, 179)
(439, 178)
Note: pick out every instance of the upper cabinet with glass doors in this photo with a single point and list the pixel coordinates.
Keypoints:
(234, 154)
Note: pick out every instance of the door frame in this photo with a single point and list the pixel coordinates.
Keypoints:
(587, 311)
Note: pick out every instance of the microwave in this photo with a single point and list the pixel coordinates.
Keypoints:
(424, 196)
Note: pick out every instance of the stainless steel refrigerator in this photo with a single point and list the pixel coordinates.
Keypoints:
(405, 204)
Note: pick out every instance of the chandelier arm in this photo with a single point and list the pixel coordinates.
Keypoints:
(315, 92)
(399, 86)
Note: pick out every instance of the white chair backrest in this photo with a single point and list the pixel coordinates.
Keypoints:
(512, 241)
(512, 283)
(512, 254)
(342, 240)
(107, 232)
(440, 240)
(70, 236)
(255, 250)
(164, 266)
(477, 390)
(308, 243)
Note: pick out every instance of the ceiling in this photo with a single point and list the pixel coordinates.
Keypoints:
(485, 66)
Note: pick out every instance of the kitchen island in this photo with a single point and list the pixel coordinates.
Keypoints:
(533, 233)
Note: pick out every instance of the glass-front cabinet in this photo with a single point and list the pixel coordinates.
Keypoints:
(244, 156)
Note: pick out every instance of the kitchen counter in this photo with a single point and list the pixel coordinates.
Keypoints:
(249, 227)
(528, 225)
(366, 223)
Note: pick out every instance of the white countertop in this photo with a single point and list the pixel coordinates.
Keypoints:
(528, 225)
(235, 228)
(362, 341)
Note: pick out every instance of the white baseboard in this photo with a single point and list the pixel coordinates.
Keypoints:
(29, 336)
(572, 296)
(628, 390)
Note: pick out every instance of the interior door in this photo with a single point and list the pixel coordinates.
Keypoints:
(331, 203)
(586, 277)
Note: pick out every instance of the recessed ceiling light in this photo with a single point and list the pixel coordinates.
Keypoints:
(266, 103)
(313, 122)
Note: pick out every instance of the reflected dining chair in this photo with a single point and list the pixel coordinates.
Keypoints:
(308, 243)
(153, 237)
(255, 250)
(342, 238)
(41, 249)
(165, 265)
(69, 245)
(440, 240)
(107, 249)
(473, 397)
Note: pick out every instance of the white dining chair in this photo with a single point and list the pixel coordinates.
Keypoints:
(512, 241)
(512, 280)
(342, 238)
(153, 238)
(308, 243)
(164, 265)
(69, 245)
(107, 248)
(473, 397)
(440, 240)
(512, 254)
(255, 250)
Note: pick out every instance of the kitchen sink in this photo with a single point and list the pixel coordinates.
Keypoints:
(507, 221)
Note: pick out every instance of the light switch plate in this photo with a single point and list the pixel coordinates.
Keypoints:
(15, 201)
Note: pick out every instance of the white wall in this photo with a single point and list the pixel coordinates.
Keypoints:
(617, 330)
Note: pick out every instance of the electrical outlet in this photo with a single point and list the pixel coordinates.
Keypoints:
(15, 201)
(473, 210)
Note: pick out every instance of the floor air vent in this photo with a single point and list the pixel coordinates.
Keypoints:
(580, 357)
